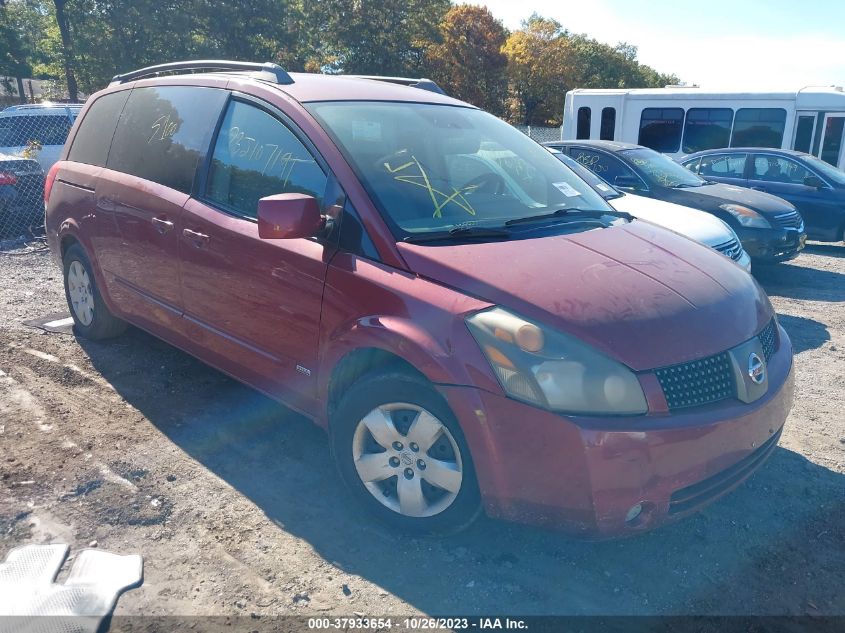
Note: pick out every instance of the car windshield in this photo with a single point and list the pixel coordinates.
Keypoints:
(605, 189)
(661, 170)
(431, 168)
(826, 169)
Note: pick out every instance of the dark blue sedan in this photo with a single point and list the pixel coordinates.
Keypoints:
(814, 187)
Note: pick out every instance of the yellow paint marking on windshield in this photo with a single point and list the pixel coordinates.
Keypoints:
(457, 195)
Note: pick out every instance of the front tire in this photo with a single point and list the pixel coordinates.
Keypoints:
(402, 455)
(91, 318)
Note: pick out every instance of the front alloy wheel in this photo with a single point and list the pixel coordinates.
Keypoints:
(402, 453)
(407, 459)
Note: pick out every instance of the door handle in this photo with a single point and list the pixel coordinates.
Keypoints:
(197, 239)
(105, 204)
(755, 188)
(163, 225)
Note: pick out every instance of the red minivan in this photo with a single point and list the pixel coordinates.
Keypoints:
(473, 325)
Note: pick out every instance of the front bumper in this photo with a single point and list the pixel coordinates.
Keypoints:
(772, 245)
(584, 475)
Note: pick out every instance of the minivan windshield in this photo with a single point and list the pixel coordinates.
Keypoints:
(433, 168)
(659, 169)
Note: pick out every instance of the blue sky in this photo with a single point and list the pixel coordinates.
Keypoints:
(739, 44)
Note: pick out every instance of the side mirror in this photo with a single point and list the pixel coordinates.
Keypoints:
(627, 182)
(288, 216)
(813, 181)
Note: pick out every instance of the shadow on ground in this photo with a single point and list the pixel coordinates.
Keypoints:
(805, 334)
(829, 249)
(748, 553)
(798, 282)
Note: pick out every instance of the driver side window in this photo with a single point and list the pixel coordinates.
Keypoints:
(256, 155)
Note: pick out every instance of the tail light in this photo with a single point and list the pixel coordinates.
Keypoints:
(8, 178)
(48, 182)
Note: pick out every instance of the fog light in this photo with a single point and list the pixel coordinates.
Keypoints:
(633, 513)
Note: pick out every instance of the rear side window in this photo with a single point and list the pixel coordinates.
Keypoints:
(722, 166)
(804, 133)
(93, 138)
(758, 127)
(163, 132)
(46, 129)
(256, 155)
(707, 128)
(660, 128)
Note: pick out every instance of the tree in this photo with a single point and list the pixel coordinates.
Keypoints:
(67, 49)
(602, 66)
(540, 69)
(469, 62)
(373, 37)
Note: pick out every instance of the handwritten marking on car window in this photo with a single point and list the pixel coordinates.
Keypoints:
(163, 128)
(662, 178)
(439, 199)
(279, 163)
(592, 163)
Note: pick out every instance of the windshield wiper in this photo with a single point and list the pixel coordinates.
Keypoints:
(459, 232)
(591, 213)
(684, 185)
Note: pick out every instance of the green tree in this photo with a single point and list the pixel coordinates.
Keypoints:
(375, 37)
(469, 62)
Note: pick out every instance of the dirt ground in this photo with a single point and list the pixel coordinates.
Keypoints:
(235, 506)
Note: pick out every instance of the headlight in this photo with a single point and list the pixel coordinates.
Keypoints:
(746, 217)
(553, 370)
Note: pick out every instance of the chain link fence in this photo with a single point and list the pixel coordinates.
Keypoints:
(31, 140)
(541, 134)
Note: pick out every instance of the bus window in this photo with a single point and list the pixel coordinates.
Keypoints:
(707, 128)
(584, 116)
(660, 128)
(804, 133)
(758, 127)
(608, 124)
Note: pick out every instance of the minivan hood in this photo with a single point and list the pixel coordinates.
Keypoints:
(709, 197)
(697, 225)
(639, 293)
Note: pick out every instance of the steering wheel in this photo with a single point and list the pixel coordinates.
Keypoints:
(489, 182)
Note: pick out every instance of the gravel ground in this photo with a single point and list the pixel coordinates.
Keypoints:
(235, 506)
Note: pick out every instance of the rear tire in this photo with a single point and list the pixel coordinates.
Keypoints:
(91, 318)
(402, 455)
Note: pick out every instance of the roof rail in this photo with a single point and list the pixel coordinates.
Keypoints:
(269, 71)
(421, 83)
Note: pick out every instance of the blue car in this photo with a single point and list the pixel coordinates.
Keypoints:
(814, 187)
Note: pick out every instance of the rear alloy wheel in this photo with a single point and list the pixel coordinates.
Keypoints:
(91, 317)
(80, 293)
(401, 452)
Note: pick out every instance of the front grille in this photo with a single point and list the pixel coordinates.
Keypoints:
(707, 380)
(698, 382)
(731, 248)
(790, 220)
(767, 339)
(695, 495)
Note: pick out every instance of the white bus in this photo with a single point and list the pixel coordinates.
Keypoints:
(680, 120)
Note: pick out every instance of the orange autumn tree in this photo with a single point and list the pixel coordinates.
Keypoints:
(468, 61)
